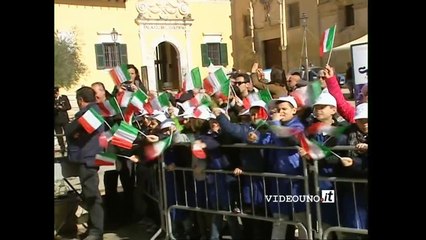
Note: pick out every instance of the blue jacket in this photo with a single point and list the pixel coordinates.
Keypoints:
(287, 162)
(252, 159)
(82, 146)
(217, 184)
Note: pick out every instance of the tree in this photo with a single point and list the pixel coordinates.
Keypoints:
(68, 66)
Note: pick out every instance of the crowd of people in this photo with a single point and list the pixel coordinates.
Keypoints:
(205, 121)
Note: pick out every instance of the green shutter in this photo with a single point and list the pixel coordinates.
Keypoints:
(223, 54)
(204, 55)
(123, 54)
(100, 56)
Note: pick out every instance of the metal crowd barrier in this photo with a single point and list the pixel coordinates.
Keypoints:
(312, 232)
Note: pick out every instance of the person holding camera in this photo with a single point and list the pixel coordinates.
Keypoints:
(61, 107)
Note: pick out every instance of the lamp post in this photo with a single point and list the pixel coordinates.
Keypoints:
(304, 23)
(114, 36)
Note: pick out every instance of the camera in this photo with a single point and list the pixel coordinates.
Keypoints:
(127, 86)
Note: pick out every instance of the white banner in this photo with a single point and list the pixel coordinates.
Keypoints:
(360, 62)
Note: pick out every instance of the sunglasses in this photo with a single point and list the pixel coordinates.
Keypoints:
(239, 83)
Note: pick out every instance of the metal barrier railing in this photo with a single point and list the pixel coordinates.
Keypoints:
(305, 229)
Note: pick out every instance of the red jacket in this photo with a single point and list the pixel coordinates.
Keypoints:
(344, 108)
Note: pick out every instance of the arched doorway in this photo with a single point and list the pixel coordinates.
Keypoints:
(167, 66)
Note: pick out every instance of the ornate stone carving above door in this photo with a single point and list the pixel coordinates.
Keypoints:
(162, 9)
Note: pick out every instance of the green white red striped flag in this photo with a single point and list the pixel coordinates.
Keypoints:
(106, 136)
(306, 96)
(91, 120)
(109, 107)
(161, 101)
(154, 150)
(193, 80)
(250, 99)
(105, 159)
(284, 131)
(125, 136)
(320, 127)
(139, 98)
(119, 74)
(124, 98)
(211, 84)
(265, 95)
(314, 150)
(136, 104)
(327, 40)
(223, 80)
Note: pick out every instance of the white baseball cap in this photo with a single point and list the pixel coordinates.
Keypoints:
(361, 111)
(326, 99)
(288, 99)
(167, 123)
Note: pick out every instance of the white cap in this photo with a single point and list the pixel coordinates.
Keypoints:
(167, 124)
(361, 111)
(288, 99)
(256, 103)
(160, 117)
(326, 99)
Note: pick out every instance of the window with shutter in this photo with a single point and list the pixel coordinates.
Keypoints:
(109, 55)
(223, 55)
(123, 54)
(100, 56)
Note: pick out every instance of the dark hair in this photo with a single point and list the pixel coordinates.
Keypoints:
(131, 66)
(277, 75)
(296, 74)
(86, 93)
(245, 76)
(107, 94)
(56, 89)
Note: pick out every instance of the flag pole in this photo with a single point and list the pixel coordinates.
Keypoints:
(119, 108)
(107, 124)
(332, 44)
(329, 56)
(227, 105)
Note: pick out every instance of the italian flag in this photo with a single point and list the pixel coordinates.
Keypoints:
(91, 120)
(154, 150)
(211, 84)
(327, 40)
(106, 136)
(193, 80)
(306, 96)
(161, 101)
(125, 136)
(198, 151)
(224, 82)
(138, 99)
(109, 107)
(248, 101)
(314, 150)
(136, 104)
(320, 127)
(283, 131)
(105, 159)
(120, 74)
(263, 95)
(124, 98)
